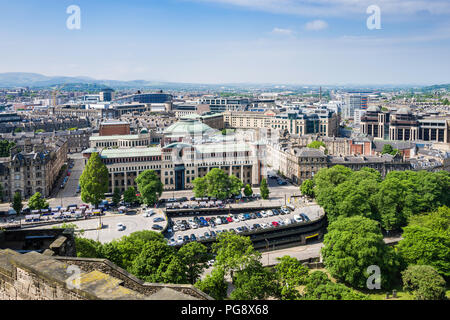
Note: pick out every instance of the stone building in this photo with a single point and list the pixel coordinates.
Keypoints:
(33, 166)
(321, 122)
(189, 149)
(299, 164)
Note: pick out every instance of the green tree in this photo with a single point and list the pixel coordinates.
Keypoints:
(37, 202)
(200, 187)
(351, 245)
(235, 186)
(234, 252)
(334, 291)
(264, 189)
(94, 180)
(218, 184)
(150, 186)
(214, 284)
(425, 246)
(290, 274)
(87, 248)
(194, 256)
(424, 282)
(129, 196)
(17, 202)
(307, 188)
(387, 149)
(248, 190)
(438, 220)
(117, 196)
(5, 148)
(315, 279)
(254, 282)
(317, 145)
(153, 263)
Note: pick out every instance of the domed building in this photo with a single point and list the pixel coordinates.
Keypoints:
(375, 122)
(187, 129)
(404, 125)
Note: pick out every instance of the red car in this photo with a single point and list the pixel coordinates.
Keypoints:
(229, 219)
(207, 219)
(275, 224)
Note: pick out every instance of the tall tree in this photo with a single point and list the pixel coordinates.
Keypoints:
(214, 284)
(307, 188)
(254, 282)
(425, 246)
(264, 189)
(248, 190)
(117, 196)
(234, 252)
(17, 202)
(200, 187)
(129, 196)
(194, 256)
(218, 184)
(94, 180)
(150, 186)
(36, 202)
(352, 245)
(290, 274)
(424, 282)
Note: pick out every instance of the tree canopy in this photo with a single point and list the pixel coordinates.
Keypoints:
(94, 181)
(37, 202)
(307, 188)
(424, 282)
(351, 245)
(264, 189)
(217, 184)
(402, 194)
(150, 186)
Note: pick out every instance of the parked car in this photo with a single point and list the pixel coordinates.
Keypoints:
(305, 217)
(158, 219)
(275, 223)
(258, 215)
(120, 226)
(180, 240)
(186, 238)
(229, 219)
(157, 227)
(193, 237)
(213, 234)
(297, 218)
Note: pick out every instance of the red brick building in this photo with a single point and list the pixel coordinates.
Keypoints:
(111, 128)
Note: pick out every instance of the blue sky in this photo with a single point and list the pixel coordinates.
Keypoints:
(223, 41)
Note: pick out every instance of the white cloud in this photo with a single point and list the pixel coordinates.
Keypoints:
(284, 32)
(316, 25)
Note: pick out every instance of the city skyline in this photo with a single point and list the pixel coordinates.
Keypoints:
(231, 41)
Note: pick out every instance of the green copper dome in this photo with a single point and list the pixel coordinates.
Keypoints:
(188, 127)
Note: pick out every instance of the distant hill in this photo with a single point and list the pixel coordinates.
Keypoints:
(35, 80)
